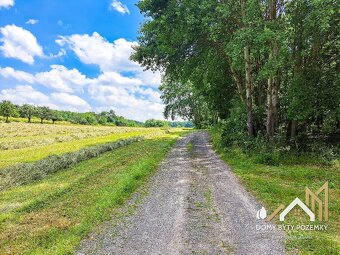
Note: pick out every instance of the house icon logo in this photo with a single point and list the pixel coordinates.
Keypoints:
(309, 207)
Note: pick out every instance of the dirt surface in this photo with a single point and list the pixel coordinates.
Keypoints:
(193, 205)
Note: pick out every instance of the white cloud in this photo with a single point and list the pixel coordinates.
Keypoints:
(62, 79)
(149, 94)
(60, 23)
(125, 102)
(32, 21)
(149, 77)
(20, 44)
(110, 57)
(10, 73)
(70, 102)
(23, 94)
(26, 94)
(94, 49)
(6, 3)
(122, 84)
(119, 7)
(110, 90)
(116, 79)
(61, 53)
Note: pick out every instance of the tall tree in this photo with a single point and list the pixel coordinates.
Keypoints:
(44, 113)
(7, 109)
(27, 111)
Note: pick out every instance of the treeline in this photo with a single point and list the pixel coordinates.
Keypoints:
(163, 123)
(264, 69)
(8, 109)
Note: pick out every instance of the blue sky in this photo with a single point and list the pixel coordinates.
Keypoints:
(74, 55)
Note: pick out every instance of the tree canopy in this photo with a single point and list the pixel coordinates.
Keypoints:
(271, 65)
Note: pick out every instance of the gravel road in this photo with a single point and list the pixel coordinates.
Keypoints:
(193, 205)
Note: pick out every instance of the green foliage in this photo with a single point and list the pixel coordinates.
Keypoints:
(156, 123)
(289, 76)
(7, 109)
(28, 111)
(45, 113)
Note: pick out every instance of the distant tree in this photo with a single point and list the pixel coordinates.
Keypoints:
(27, 111)
(101, 120)
(110, 116)
(56, 116)
(7, 109)
(44, 113)
(78, 118)
(156, 123)
(91, 118)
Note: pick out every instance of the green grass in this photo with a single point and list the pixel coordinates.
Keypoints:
(30, 154)
(53, 215)
(274, 185)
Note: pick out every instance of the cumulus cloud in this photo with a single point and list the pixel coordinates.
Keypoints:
(6, 3)
(121, 85)
(119, 7)
(94, 49)
(116, 79)
(59, 78)
(25, 94)
(110, 57)
(62, 79)
(32, 21)
(10, 73)
(20, 44)
(125, 102)
(70, 102)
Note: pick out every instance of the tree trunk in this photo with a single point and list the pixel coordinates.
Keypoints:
(293, 130)
(272, 88)
(249, 92)
(272, 107)
(237, 79)
(248, 71)
(29, 120)
(41, 121)
(7, 119)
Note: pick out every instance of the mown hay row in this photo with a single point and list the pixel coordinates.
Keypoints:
(25, 173)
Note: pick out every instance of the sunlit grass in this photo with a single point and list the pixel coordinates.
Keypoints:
(34, 151)
(53, 215)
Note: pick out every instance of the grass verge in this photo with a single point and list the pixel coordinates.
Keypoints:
(280, 184)
(53, 215)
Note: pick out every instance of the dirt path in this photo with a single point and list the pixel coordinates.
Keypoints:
(194, 205)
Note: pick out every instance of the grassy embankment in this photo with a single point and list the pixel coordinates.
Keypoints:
(53, 215)
(280, 184)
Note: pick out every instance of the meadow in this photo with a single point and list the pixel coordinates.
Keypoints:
(23, 142)
(53, 214)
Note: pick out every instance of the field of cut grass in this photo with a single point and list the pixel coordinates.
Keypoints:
(53, 215)
(281, 184)
(23, 142)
